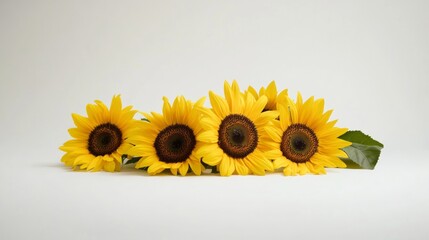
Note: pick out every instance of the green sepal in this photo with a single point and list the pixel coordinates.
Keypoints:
(133, 160)
(124, 157)
(364, 151)
(145, 119)
(143, 168)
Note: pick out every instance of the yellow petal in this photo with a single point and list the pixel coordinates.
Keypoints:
(78, 133)
(82, 122)
(183, 169)
(207, 149)
(82, 159)
(228, 93)
(280, 162)
(213, 158)
(262, 161)
(236, 99)
(166, 111)
(95, 163)
(141, 150)
(146, 161)
(338, 163)
(253, 167)
(200, 102)
(298, 100)
(271, 92)
(252, 91)
(241, 167)
(266, 117)
(94, 113)
(256, 109)
(155, 168)
(103, 111)
(115, 109)
(322, 160)
(306, 111)
(158, 121)
(208, 136)
(273, 154)
(68, 159)
(274, 134)
(249, 102)
(173, 171)
(224, 165)
(285, 117)
(126, 119)
(77, 143)
(231, 168)
(293, 110)
(109, 166)
(310, 167)
(294, 168)
(302, 169)
(195, 167)
(287, 171)
(220, 106)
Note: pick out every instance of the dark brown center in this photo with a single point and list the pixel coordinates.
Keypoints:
(104, 139)
(299, 143)
(238, 136)
(175, 143)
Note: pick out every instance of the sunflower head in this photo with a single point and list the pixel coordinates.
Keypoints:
(169, 140)
(306, 140)
(233, 129)
(273, 97)
(99, 139)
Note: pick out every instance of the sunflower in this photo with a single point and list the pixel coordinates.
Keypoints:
(99, 138)
(273, 97)
(233, 129)
(306, 141)
(169, 141)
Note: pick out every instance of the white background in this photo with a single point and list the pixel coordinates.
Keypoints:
(368, 59)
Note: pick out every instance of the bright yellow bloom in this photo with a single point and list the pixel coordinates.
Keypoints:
(233, 131)
(270, 92)
(169, 141)
(305, 140)
(99, 138)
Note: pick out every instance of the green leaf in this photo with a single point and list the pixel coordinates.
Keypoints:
(360, 137)
(364, 150)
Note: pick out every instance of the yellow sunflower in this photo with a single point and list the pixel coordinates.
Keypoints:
(99, 138)
(306, 141)
(170, 140)
(273, 97)
(233, 129)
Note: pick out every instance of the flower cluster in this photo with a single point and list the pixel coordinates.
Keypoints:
(243, 132)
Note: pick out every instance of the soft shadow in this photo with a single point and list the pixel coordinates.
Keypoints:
(130, 170)
(49, 165)
(127, 170)
(56, 165)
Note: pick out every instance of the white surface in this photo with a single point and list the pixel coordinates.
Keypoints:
(47, 201)
(368, 59)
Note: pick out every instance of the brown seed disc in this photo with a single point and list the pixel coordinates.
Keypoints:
(175, 143)
(104, 139)
(299, 143)
(238, 136)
